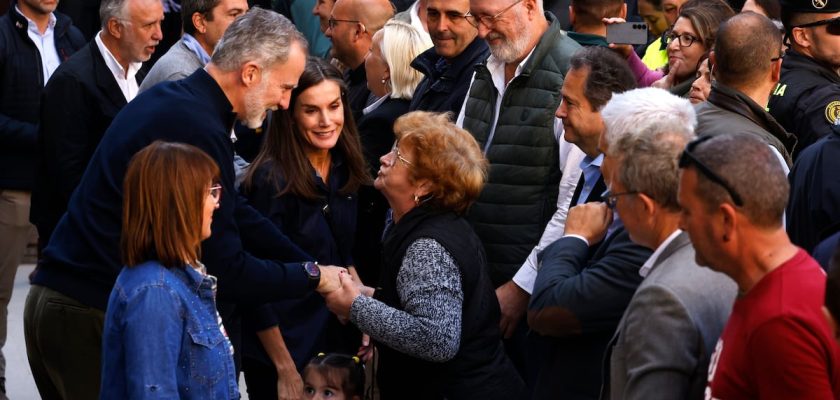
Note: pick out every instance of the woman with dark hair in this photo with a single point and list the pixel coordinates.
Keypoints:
(692, 36)
(435, 316)
(163, 337)
(305, 180)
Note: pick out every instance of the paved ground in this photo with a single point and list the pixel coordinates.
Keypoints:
(19, 383)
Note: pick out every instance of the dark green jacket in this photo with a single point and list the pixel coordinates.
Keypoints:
(521, 192)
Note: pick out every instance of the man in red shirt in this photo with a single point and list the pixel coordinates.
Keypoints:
(776, 344)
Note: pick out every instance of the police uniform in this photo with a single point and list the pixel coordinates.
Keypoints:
(806, 101)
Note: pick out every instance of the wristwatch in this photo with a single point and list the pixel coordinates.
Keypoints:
(313, 272)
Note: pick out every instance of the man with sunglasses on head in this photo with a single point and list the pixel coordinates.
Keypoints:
(776, 343)
(806, 100)
(350, 27)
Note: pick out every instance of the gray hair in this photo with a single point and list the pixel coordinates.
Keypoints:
(648, 164)
(264, 37)
(749, 166)
(112, 9)
(647, 112)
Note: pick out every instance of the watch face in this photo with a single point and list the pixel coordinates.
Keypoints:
(312, 269)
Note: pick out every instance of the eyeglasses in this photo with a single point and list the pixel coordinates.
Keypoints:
(486, 20)
(612, 198)
(687, 158)
(434, 16)
(396, 151)
(332, 22)
(832, 25)
(215, 192)
(685, 40)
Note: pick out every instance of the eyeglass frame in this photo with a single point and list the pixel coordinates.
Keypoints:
(331, 22)
(611, 199)
(475, 20)
(395, 149)
(215, 188)
(687, 159)
(670, 36)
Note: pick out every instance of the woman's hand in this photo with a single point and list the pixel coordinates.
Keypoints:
(667, 81)
(365, 352)
(340, 300)
(622, 49)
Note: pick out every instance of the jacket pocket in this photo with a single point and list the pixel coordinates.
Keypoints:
(208, 351)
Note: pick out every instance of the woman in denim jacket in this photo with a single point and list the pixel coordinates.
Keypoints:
(163, 337)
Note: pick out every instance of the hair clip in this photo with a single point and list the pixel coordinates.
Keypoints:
(356, 359)
(320, 354)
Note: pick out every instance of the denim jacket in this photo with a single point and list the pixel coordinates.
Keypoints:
(162, 337)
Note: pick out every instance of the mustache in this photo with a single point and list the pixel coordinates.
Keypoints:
(443, 36)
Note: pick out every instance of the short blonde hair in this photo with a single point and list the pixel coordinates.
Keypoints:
(400, 43)
(447, 156)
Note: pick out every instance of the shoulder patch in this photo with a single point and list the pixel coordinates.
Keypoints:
(832, 112)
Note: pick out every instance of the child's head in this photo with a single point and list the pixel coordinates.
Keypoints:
(334, 376)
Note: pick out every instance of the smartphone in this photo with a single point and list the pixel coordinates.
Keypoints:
(627, 33)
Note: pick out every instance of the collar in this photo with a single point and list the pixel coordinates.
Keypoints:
(796, 61)
(496, 66)
(112, 62)
(33, 26)
(195, 47)
(588, 39)
(475, 52)
(369, 109)
(196, 278)
(590, 162)
(651, 262)
(207, 87)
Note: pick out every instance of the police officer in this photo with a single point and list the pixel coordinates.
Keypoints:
(806, 100)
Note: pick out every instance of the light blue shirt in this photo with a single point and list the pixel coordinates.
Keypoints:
(196, 48)
(45, 43)
(591, 169)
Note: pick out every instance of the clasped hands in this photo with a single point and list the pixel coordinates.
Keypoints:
(340, 287)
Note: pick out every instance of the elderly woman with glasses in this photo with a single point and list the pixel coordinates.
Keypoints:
(434, 318)
(692, 36)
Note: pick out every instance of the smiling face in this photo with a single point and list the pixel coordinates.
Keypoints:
(682, 61)
(319, 115)
(581, 123)
(273, 89)
(450, 31)
(507, 35)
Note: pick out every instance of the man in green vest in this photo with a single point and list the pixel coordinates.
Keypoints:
(509, 109)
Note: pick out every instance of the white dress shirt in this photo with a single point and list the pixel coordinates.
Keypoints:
(125, 79)
(45, 43)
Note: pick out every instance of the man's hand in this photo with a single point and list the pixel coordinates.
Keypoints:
(329, 278)
(289, 384)
(589, 220)
(340, 300)
(512, 301)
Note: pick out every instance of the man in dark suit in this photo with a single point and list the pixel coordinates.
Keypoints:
(256, 64)
(666, 337)
(82, 98)
(587, 277)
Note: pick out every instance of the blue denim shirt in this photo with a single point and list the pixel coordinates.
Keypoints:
(162, 337)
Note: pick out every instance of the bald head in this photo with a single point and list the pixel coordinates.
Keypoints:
(746, 43)
(372, 13)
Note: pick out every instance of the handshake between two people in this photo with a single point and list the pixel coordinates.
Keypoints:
(340, 287)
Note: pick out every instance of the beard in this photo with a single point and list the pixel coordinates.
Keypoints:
(255, 110)
(510, 49)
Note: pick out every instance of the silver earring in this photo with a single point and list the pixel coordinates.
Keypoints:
(416, 199)
(383, 81)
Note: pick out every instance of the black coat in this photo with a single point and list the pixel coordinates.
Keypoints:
(814, 206)
(21, 83)
(79, 103)
(442, 91)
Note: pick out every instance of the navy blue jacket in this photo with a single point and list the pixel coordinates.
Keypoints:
(324, 228)
(21, 84)
(580, 294)
(80, 101)
(814, 205)
(442, 91)
(82, 259)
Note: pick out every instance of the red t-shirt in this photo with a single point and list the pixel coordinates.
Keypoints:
(777, 344)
